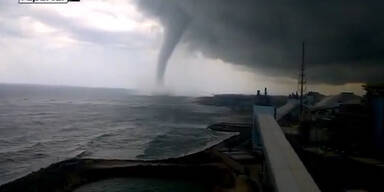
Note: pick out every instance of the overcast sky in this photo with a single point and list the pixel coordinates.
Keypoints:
(233, 47)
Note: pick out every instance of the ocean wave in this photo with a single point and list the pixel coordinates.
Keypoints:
(32, 146)
(80, 154)
(177, 143)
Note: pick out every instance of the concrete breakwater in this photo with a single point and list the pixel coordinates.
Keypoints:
(206, 168)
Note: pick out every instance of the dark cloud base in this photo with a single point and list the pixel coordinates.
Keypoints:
(344, 39)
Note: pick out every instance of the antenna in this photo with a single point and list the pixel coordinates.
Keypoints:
(302, 81)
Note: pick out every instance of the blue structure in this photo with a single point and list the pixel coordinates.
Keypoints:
(375, 96)
(378, 112)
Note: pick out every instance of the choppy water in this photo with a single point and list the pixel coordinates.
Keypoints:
(42, 125)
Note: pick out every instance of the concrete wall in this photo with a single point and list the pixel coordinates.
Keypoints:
(288, 173)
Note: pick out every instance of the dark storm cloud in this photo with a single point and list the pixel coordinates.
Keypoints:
(344, 38)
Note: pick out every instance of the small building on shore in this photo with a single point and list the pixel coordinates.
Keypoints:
(331, 105)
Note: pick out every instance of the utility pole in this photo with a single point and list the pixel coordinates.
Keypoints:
(302, 79)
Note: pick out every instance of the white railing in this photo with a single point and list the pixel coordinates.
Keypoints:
(286, 169)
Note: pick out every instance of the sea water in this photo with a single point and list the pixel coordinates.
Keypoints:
(41, 125)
